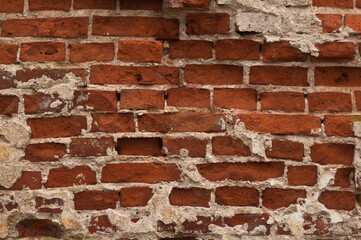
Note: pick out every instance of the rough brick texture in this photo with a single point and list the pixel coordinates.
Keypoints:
(180, 119)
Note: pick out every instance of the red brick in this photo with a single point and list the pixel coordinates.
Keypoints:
(46, 27)
(235, 98)
(329, 101)
(286, 149)
(252, 171)
(302, 175)
(338, 200)
(88, 52)
(96, 100)
(194, 4)
(35, 228)
(358, 3)
(43, 103)
(9, 104)
(226, 145)
(9, 6)
(53, 205)
(207, 23)
(141, 4)
(140, 51)
(286, 76)
(101, 224)
(190, 49)
(94, 4)
(159, 28)
(45, 152)
(27, 180)
(8, 53)
(140, 172)
(281, 124)
(201, 224)
(181, 122)
(249, 222)
(135, 196)
(333, 3)
(335, 52)
(338, 76)
(7, 80)
(342, 177)
(25, 75)
(358, 100)
(330, 22)
(42, 52)
(188, 97)
(46, 5)
(235, 49)
(213, 74)
(353, 21)
(237, 196)
(141, 99)
(194, 197)
(195, 147)
(318, 224)
(67, 177)
(140, 146)
(274, 198)
(282, 51)
(95, 200)
(57, 127)
(339, 125)
(107, 74)
(332, 153)
(283, 101)
(113, 123)
(85, 147)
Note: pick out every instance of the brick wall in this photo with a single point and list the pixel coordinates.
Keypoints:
(180, 119)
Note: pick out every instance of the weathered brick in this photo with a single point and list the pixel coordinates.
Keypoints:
(88, 52)
(287, 76)
(338, 76)
(140, 172)
(213, 74)
(302, 175)
(42, 52)
(358, 100)
(191, 147)
(45, 152)
(141, 99)
(283, 101)
(25, 75)
(96, 100)
(43, 103)
(107, 74)
(274, 198)
(94, 4)
(342, 177)
(74, 27)
(282, 51)
(46, 5)
(53, 205)
(335, 52)
(159, 28)
(95, 200)
(319, 224)
(10, 6)
(181, 122)
(194, 197)
(338, 200)
(329, 101)
(7, 80)
(333, 3)
(27, 180)
(202, 223)
(353, 21)
(101, 224)
(67, 177)
(113, 123)
(283, 148)
(237, 49)
(226, 145)
(249, 222)
(135, 196)
(35, 228)
(235, 98)
(251, 171)
(8, 53)
(9, 104)
(207, 23)
(188, 97)
(330, 22)
(141, 4)
(194, 4)
(85, 147)
(190, 49)
(140, 146)
(57, 127)
(332, 153)
(140, 51)
(281, 124)
(339, 125)
(237, 196)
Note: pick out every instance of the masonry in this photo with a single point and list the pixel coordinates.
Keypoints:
(180, 119)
